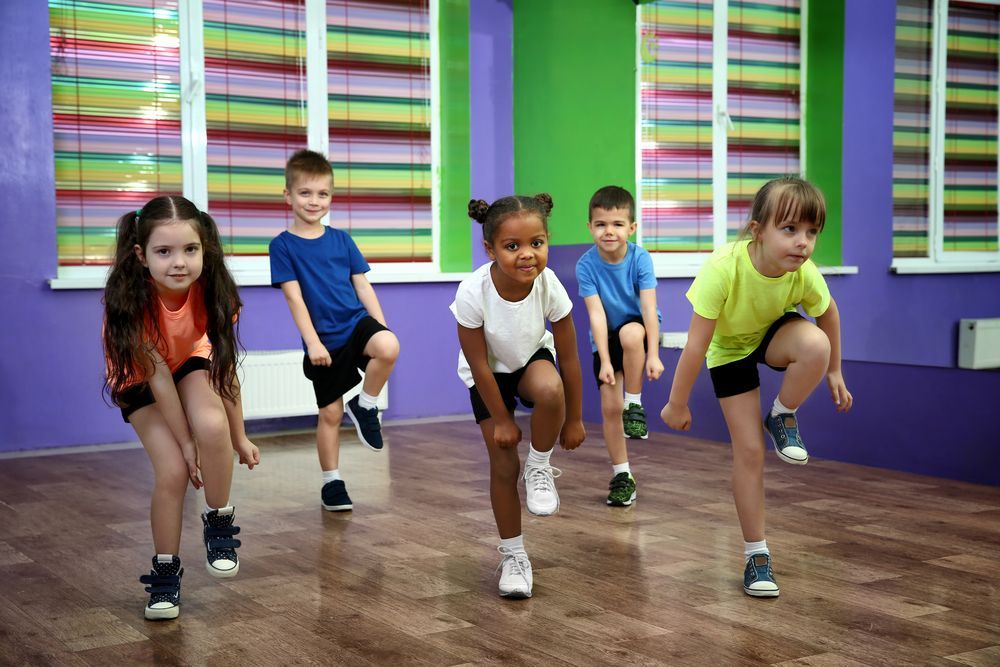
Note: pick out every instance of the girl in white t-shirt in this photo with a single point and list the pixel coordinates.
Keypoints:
(507, 354)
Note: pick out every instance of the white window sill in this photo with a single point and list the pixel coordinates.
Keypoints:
(905, 266)
(691, 270)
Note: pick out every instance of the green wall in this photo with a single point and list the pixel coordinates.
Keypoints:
(574, 104)
(453, 31)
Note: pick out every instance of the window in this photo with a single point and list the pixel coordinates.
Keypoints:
(207, 98)
(710, 137)
(945, 216)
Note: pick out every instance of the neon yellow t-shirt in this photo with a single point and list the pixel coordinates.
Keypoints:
(746, 303)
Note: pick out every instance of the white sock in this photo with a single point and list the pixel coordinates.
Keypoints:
(209, 509)
(751, 548)
(367, 401)
(330, 475)
(537, 459)
(779, 408)
(633, 398)
(515, 544)
(621, 467)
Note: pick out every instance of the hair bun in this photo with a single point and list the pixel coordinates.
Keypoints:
(478, 209)
(545, 200)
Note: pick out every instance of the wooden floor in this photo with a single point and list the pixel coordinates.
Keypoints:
(875, 567)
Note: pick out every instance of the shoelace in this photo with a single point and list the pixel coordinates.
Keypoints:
(519, 562)
(541, 476)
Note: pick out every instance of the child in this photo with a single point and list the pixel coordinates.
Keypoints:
(507, 353)
(745, 299)
(170, 309)
(322, 275)
(618, 286)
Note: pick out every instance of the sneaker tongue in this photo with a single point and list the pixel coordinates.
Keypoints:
(164, 558)
(759, 560)
(790, 421)
(225, 511)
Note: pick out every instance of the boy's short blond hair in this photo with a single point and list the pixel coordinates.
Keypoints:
(306, 163)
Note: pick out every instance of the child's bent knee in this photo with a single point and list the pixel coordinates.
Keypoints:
(332, 414)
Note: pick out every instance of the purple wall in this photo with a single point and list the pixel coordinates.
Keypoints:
(52, 363)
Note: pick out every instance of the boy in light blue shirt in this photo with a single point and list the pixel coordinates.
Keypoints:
(618, 286)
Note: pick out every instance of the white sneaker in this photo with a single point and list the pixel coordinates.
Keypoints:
(540, 489)
(515, 574)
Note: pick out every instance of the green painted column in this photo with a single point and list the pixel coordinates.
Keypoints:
(453, 45)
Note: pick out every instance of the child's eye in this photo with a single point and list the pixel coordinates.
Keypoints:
(162, 252)
(511, 247)
(537, 243)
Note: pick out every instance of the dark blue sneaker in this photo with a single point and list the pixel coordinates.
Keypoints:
(335, 498)
(366, 423)
(220, 547)
(784, 432)
(163, 583)
(758, 579)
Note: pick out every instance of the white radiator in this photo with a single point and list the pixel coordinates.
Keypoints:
(272, 385)
(979, 343)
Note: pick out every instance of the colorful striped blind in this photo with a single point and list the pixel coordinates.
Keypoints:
(116, 117)
(970, 145)
(675, 89)
(255, 108)
(911, 128)
(763, 100)
(380, 125)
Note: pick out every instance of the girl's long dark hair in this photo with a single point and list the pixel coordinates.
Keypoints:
(131, 330)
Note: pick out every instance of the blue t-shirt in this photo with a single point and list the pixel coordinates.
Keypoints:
(323, 267)
(618, 285)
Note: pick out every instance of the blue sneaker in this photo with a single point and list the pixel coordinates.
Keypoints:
(758, 579)
(784, 432)
(220, 543)
(335, 498)
(164, 588)
(366, 423)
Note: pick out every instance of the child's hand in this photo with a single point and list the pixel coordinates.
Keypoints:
(572, 434)
(676, 417)
(318, 355)
(506, 434)
(838, 391)
(606, 374)
(190, 453)
(248, 453)
(654, 367)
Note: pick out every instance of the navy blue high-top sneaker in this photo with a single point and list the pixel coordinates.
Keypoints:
(219, 543)
(163, 583)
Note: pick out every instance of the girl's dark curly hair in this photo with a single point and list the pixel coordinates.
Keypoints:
(131, 329)
(490, 216)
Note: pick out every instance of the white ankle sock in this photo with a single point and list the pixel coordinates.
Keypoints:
(330, 475)
(515, 544)
(621, 467)
(633, 398)
(780, 409)
(751, 548)
(367, 401)
(536, 458)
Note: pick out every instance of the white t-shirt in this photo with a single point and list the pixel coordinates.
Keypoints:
(514, 330)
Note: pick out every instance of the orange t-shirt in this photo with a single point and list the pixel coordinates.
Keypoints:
(183, 331)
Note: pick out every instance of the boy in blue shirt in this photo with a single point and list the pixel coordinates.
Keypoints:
(618, 286)
(322, 275)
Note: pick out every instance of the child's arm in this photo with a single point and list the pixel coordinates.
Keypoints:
(564, 333)
(318, 354)
(647, 303)
(161, 383)
(248, 452)
(676, 413)
(599, 329)
(506, 432)
(829, 323)
(366, 295)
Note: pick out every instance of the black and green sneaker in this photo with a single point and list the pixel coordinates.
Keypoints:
(622, 490)
(634, 420)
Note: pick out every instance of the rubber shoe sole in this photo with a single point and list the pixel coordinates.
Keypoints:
(357, 428)
(784, 457)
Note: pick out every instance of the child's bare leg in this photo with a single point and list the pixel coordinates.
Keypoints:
(742, 413)
(210, 427)
(170, 474)
(803, 349)
(382, 350)
(505, 467)
(632, 337)
(328, 434)
(612, 405)
(542, 385)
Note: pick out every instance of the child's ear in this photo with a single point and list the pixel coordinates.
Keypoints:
(137, 249)
(288, 196)
(489, 251)
(754, 228)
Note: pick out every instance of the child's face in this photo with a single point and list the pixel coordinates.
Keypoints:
(174, 256)
(310, 198)
(611, 229)
(520, 247)
(784, 246)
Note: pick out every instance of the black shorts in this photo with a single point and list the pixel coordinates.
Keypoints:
(740, 376)
(333, 381)
(140, 395)
(507, 383)
(615, 350)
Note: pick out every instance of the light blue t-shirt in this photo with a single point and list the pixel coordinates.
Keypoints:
(618, 285)
(323, 267)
